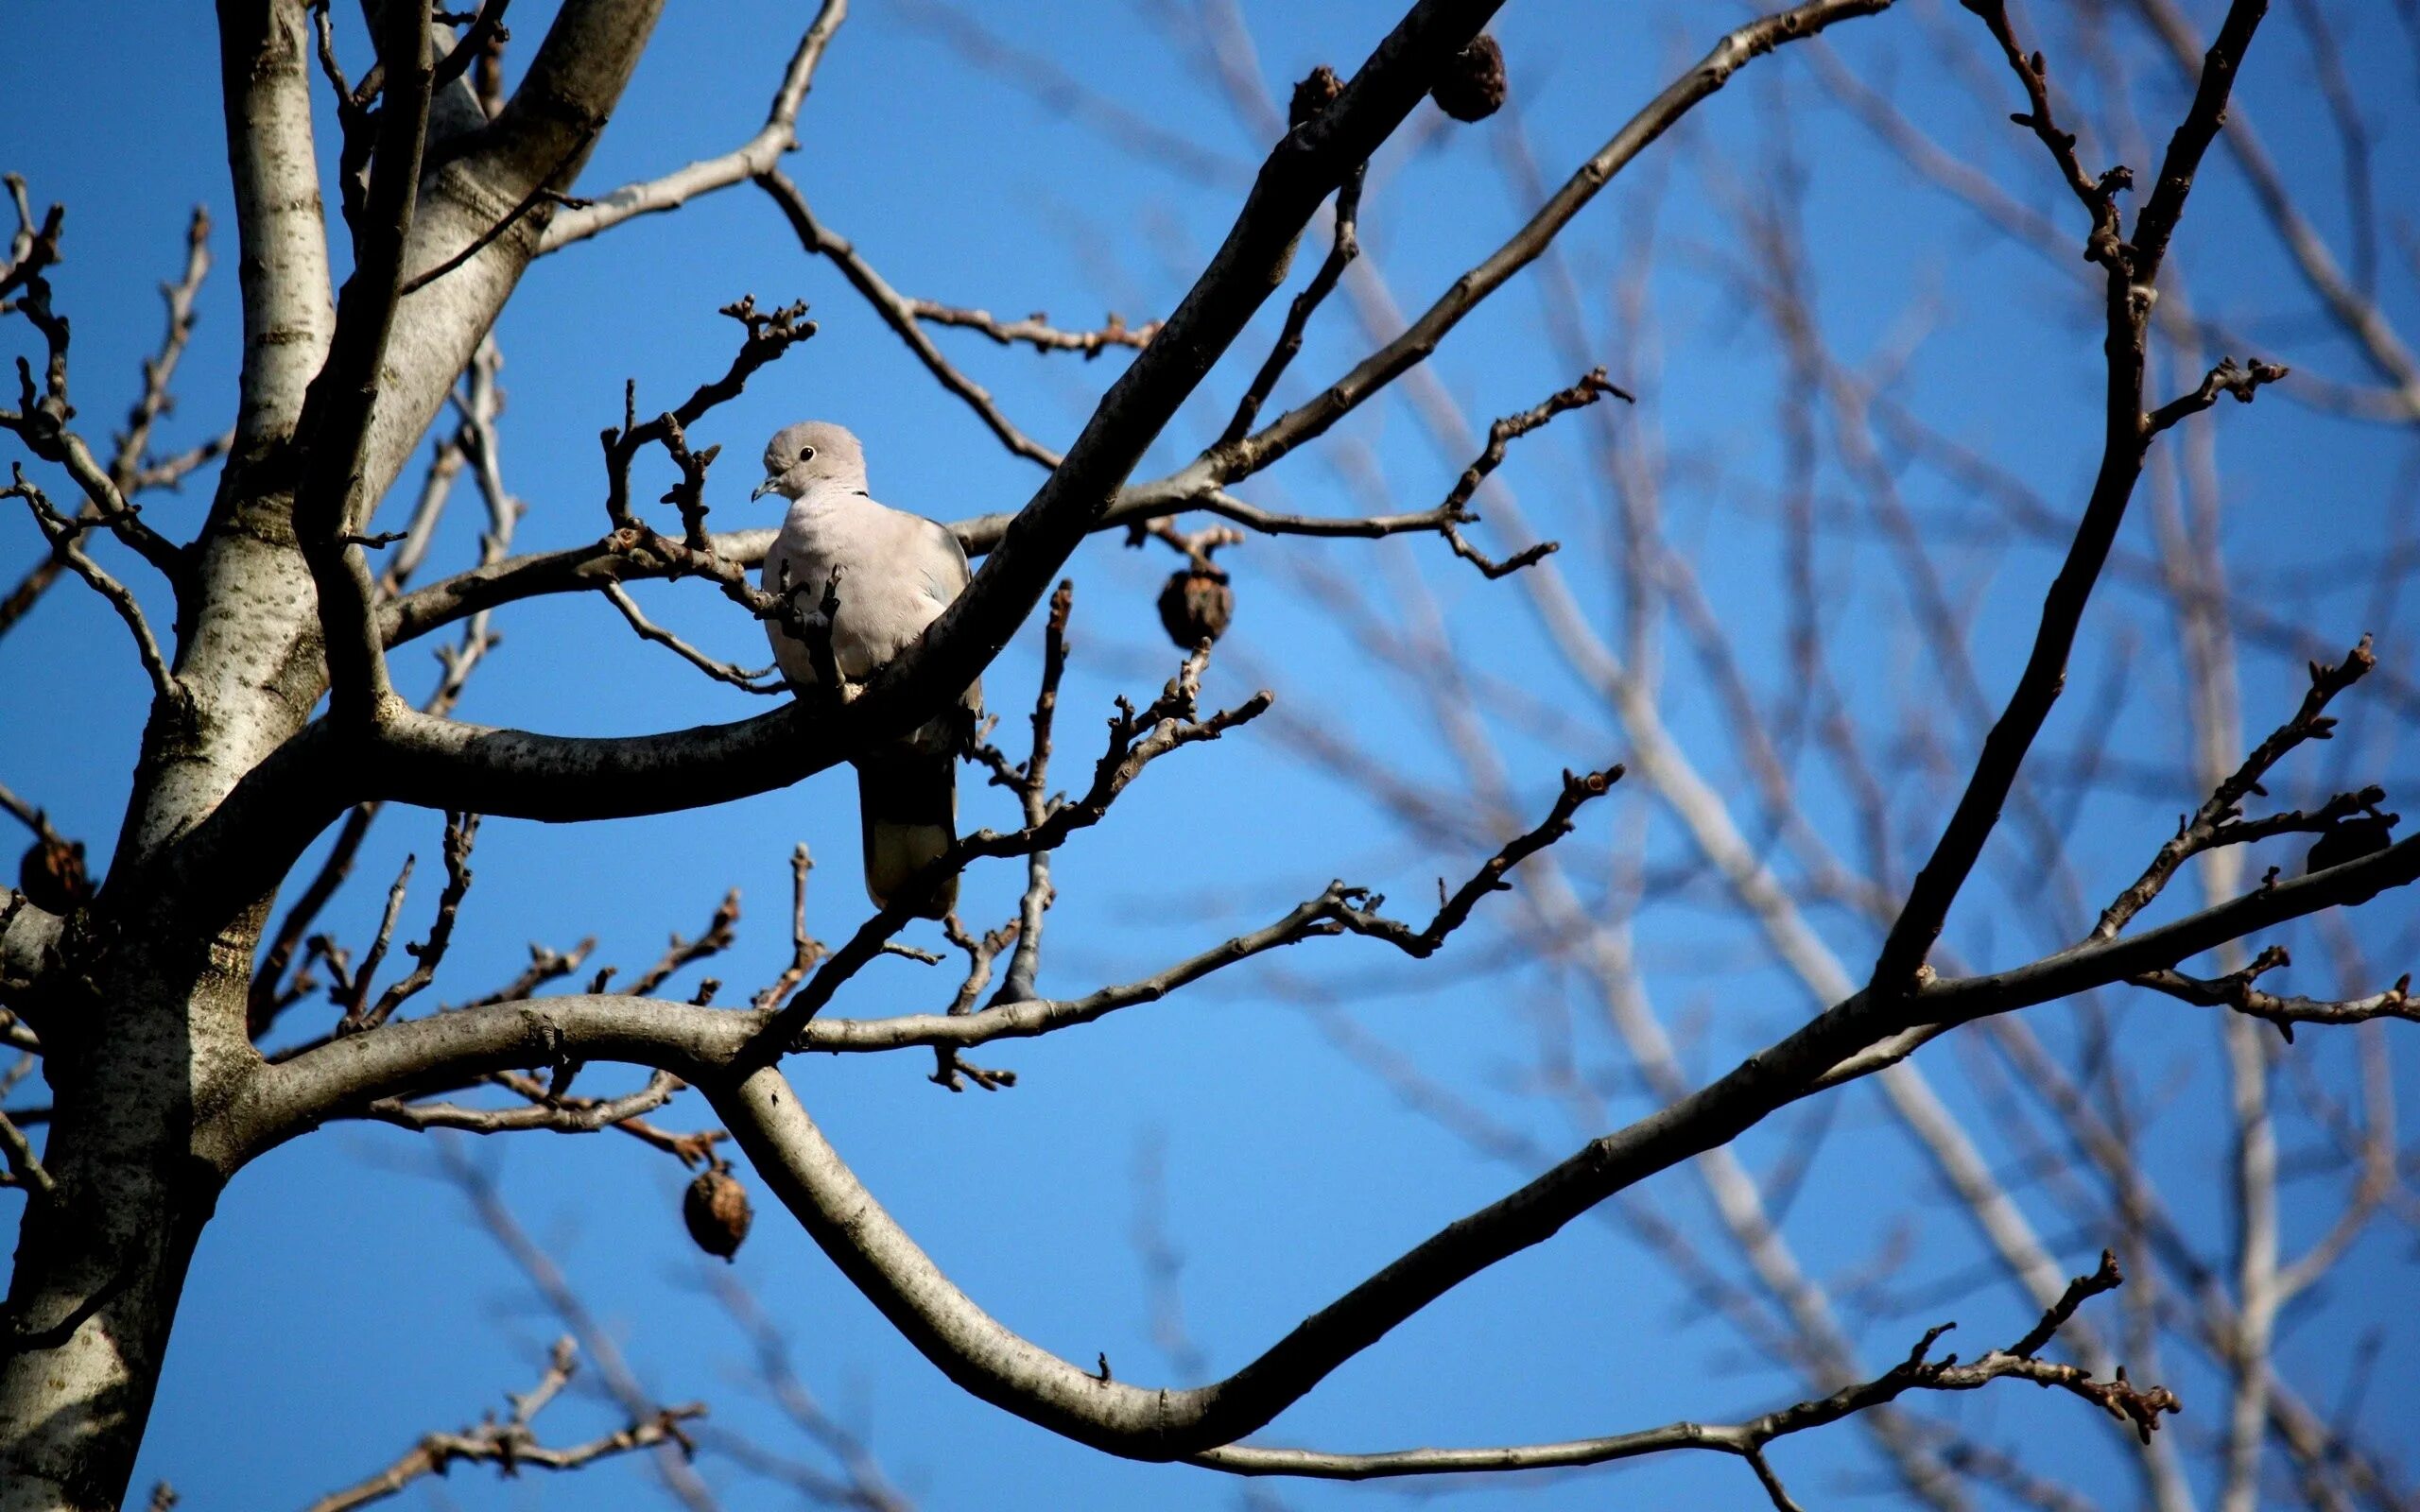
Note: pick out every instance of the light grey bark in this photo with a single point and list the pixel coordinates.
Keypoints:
(142, 1006)
(100, 1264)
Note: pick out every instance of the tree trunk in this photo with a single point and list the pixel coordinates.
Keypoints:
(137, 1050)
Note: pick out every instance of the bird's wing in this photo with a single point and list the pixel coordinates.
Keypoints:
(942, 560)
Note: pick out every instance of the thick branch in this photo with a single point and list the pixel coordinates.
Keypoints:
(790, 1153)
(335, 498)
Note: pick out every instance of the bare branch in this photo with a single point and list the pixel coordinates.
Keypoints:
(540, 193)
(1134, 742)
(680, 954)
(1749, 1439)
(2098, 195)
(805, 949)
(61, 532)
(1032, 785)
(672, 1450)
(2216, 821)
(2236, 990)
(1733, 51)
(1455, 510)
(1036, 331)
(461, 832)
(738, 676)
(487, 33)
(866, 1485)
(1311, 96)
(512, 1444)
(2132, 269)
(24, 1167)
(755, 156)
(897, 312)
(2226, 378)
(44, 410)
(2356, 314)
(1453, 912)
(550, 1111)
(131, 467)
(331, 500)
(768, 335)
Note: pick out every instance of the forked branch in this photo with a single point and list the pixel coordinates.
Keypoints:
(511, 1445)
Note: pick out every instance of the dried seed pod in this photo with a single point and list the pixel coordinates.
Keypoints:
(716, 1208)
(2350, 840)
(1196, 606)
(1316, 92)
(52, 876)
(1472, 86)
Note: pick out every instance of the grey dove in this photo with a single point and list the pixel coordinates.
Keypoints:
(898, 570)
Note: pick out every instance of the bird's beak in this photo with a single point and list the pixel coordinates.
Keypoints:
(762, 489)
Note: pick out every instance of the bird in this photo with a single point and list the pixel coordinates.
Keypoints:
(898, 572)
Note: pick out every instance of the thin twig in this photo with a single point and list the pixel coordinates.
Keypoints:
(512, 1444)
(1036, 331)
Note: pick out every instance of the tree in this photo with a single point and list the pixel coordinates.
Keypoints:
(156, 1004)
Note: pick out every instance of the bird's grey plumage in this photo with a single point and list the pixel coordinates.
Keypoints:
(898, 570)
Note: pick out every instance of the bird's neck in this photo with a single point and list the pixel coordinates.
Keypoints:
(826, 501)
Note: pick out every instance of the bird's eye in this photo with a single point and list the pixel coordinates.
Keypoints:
(806, 454)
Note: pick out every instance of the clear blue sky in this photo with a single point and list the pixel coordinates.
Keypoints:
(343, 1302)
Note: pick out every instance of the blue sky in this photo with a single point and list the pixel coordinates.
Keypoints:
(343, 1302)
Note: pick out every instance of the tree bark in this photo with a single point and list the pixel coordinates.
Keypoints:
(141, 1000)
(134, 1054)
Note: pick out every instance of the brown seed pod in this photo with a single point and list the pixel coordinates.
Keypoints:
(716, 1208)
(2364, 835)
(1472, 86)
(1196, 606)
(52, 876)
(1316, 92)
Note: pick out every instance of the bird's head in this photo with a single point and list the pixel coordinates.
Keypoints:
(810, 453)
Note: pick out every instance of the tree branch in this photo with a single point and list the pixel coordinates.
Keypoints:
(1747, 1439)
(790, 1154)
(512, 1444)
(2132, 270)
(1036, 331)
(334, 498)
(730, 672)
(523, 775)
(61, 532)
(2236, 990)
(2216, 821)
(899, 313)
(1456, 511)
(757, 155)
(1733, 51)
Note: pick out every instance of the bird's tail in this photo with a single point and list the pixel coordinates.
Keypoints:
(908, 806)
